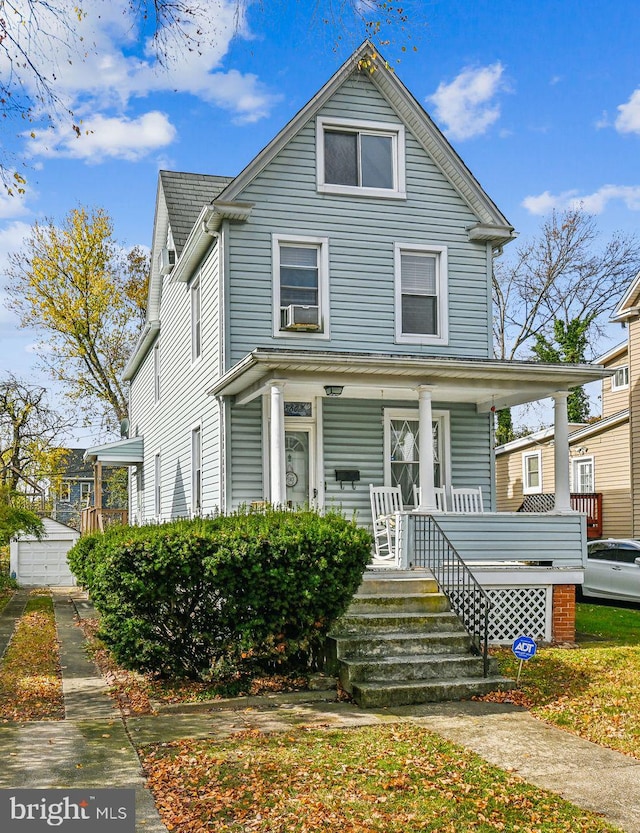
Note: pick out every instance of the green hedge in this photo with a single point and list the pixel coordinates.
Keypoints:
(256, 589)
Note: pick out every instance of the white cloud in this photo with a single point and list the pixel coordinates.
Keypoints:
(628, 120)
(592, 203)
(12, 206)
(103, 137)
(100, 83)
(467, 107)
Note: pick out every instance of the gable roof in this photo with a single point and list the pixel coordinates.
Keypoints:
(492, 224)
(185, 195)
(629, 306)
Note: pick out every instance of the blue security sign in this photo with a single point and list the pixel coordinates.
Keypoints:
(524, 647)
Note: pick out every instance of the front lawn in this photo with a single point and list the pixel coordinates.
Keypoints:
(591, 690)
(376, 779)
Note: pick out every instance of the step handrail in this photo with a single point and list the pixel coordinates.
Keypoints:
(433, 550)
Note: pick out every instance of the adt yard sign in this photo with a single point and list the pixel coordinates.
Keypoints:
(524, 647)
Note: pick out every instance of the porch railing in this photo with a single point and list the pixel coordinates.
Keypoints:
(433, 550)
(97, 520)
(588, 503)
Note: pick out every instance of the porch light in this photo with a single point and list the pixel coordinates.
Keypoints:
(333, 390)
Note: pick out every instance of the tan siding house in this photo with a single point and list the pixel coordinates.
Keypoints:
(604, 455)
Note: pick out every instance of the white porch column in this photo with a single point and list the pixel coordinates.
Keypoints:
(425, 450)
(562, 501)
(277, 456)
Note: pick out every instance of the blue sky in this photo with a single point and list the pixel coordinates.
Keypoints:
(541, 100)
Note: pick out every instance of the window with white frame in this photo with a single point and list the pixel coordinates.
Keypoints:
(532, 472)
(402, 453)
(65, 492)
(196, 470)
(620, 378)
(583, 475)
(157, 484)
(300, 285)
(360, 157)
(421, 294)
(86, 490)
(156, 371)
(196, 322)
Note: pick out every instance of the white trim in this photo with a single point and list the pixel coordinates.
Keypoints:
(196, 429)
(526, 488)
(322, 246)
(394, 130)
(575, 462)
(195, 287)
(443, 417)
(157, 485)
(440, 253)
(625, 385)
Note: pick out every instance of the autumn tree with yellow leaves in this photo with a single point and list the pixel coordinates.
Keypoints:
(86, 296)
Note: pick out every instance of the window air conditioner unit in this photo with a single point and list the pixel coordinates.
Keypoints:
(166, 260)
(299, 317)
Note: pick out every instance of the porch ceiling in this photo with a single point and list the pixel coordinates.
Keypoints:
(487, 383)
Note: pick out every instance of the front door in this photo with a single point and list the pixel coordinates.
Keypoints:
(297, 446)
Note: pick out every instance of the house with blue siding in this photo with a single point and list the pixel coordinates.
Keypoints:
(322, 322)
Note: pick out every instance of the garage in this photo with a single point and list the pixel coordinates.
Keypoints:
(44, 563)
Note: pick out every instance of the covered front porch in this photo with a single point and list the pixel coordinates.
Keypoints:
(125, 453)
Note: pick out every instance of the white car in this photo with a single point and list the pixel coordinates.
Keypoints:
(613, 570)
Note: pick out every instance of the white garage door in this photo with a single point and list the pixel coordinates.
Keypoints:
(44, 562)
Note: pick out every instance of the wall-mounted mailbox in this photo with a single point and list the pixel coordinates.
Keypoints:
(347, 476)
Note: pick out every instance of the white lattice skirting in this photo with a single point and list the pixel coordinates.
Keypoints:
(519, 611)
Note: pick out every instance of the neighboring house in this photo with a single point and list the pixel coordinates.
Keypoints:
(604, 454)
(74, 489)
(323, 321)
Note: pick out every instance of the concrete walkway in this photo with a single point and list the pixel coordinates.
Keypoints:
(95, 747)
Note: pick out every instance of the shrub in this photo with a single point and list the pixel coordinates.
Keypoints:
(256, 589)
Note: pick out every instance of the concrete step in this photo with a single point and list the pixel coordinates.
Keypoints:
(374, 584)
(386, 694)
(374, 647)
(411, 668)
(407, 603)
(392, 621)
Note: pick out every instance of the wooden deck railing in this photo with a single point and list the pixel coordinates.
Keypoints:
(588, 502)
(97, 520)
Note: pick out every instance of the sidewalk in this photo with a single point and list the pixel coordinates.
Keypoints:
(95, 747)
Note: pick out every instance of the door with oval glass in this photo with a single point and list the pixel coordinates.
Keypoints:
(298, 463)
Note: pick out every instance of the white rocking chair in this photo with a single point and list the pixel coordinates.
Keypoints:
(385, 502)
(468, 501)
(441, 497)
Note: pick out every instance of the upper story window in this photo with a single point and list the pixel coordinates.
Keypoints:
(620, 378)
(532, 472)
(300, 285)
(421, 294)
(360, 157)
(196, 323)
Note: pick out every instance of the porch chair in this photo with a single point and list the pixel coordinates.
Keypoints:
(441, 497)
(385, 502)
(466, 500)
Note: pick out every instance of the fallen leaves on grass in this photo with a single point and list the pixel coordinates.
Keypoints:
(592, 692)
(30, 678)
(380, 779)
(137, 693)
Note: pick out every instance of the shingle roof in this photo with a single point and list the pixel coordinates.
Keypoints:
(185, 195)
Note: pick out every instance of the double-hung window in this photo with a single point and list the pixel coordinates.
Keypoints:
(532, 473)
(157, 486)
(421, 294)
(360, 157)
(156, 371)
(620, 378)
(300, 285)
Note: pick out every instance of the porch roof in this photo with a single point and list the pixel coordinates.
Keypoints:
(127, 452)
(487, 383)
